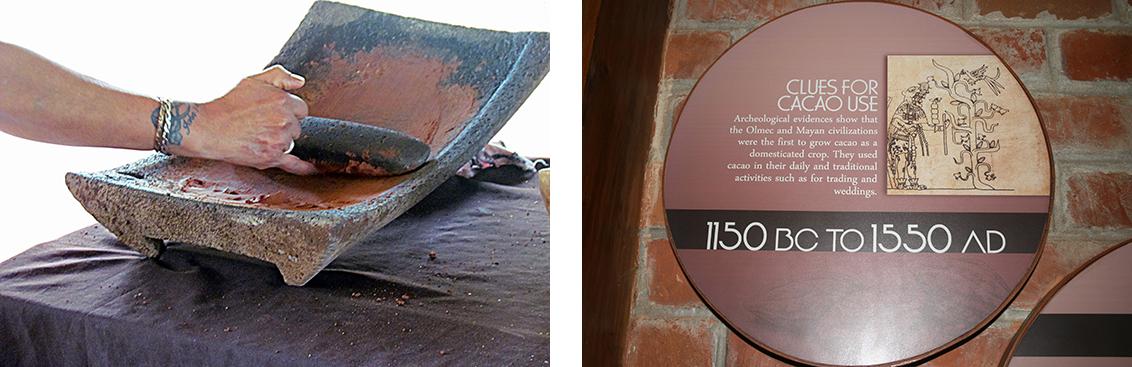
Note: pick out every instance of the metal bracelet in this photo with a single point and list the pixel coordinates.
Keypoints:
(161, 133)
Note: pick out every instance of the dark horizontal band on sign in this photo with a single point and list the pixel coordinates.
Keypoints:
(1078, 335)
(857, 231)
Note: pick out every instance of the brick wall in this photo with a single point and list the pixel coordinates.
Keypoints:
(1075, 57)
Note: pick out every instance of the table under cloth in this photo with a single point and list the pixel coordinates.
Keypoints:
(86, 299)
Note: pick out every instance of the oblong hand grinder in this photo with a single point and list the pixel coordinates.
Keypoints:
(337, 146)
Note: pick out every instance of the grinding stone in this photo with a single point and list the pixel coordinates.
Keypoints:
(451, 87)
(336, 146)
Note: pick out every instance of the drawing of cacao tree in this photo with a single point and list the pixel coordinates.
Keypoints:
(969, 121)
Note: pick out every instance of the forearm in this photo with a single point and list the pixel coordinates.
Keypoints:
(254, 125)
(40, 100)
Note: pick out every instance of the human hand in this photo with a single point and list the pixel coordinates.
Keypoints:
(253, 125)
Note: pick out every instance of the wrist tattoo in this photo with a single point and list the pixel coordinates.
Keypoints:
(181, 117)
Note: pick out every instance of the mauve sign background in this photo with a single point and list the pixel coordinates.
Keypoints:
(828, 307)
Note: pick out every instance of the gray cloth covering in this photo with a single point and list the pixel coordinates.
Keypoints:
(87, 300)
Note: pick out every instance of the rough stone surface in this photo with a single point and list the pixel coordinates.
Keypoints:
(451, 87)
(337, 146)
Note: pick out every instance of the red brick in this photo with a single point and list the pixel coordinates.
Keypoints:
(689, 54)
(669, 343)
(740, 353)
(985, 349)
(1097, 55)
(1051, 269)
(742, 10)
(1059, 258)
(1101, 199)
(1094, 122)
(1062, 9)
(942, 7)
(1022, 48)
(667, 285)
(652, 207)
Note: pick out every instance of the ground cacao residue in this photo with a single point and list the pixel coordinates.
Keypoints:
(405, 90)
(221, 182)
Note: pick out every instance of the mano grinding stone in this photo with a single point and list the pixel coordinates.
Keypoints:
(336, 146)
(448, 86)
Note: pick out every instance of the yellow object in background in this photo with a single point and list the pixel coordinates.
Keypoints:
(544, 186)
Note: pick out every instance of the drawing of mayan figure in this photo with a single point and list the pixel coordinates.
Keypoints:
(953, 129)
(905, 134)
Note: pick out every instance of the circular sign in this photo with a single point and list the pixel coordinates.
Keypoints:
(857, 184)
(1086, 320)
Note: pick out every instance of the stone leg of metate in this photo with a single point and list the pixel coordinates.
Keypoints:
(150, 247)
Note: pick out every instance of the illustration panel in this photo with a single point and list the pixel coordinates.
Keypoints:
(961, 125)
